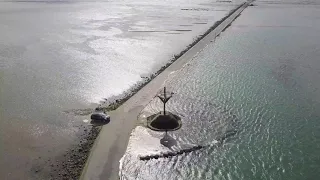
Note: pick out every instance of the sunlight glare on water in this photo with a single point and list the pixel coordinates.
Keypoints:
(256, 86)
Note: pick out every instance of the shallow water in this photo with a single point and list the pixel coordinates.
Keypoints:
(257, 85)
(60, 59)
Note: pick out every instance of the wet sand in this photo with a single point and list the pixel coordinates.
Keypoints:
(54, 75)
(70, 164)
(110, 145)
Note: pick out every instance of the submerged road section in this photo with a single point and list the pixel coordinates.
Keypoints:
(103, 162)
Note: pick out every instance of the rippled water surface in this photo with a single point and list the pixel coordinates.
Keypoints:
(257, 87)
(59, 59)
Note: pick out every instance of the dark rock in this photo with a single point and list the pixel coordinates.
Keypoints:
(171, 153)
(99, 109)
(180, 152)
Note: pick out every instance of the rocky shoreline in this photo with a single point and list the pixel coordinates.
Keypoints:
(118, 101)
(71, 164)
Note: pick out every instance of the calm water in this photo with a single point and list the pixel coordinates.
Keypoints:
(260, 79)
(59, 59)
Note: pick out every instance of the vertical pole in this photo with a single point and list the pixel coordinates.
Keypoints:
(165, 100)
